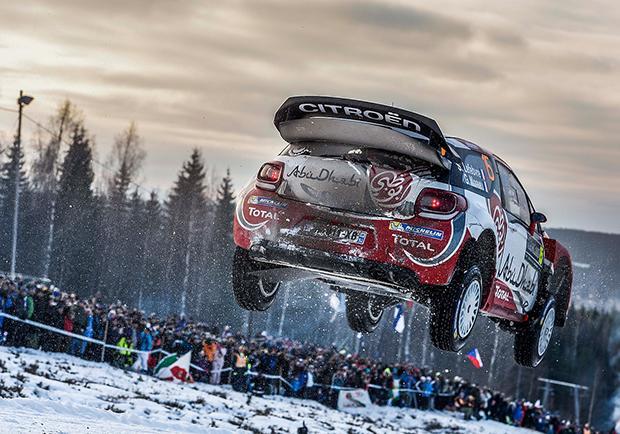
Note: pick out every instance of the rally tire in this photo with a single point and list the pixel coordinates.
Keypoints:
(532, 343)
(251, 291)
(454, 313)
(364, 311)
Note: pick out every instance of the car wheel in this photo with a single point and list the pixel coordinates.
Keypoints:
(532, 343)
(454, 315)
(364, 311)
(252, 292)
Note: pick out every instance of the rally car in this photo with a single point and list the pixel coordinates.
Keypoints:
(375, 202)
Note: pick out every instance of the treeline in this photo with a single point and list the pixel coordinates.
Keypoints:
(169, 254)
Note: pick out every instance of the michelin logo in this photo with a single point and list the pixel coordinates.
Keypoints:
(265, 201)
(435, 234)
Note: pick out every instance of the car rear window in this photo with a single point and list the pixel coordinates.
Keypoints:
(474, 174)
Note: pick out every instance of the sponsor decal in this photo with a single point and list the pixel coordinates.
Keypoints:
(389, 188)
(416, 244)
(535, 251)
(488, 167)
(541, 255)
(458, 232)
(390, 118)
(521, 276)
(261, 213)
(299, 151)
(324, 175)
(499, 218)
(266, 201)
(335, 233)
(241, 215)
(435, 234)
(474, 177)
(502, 294)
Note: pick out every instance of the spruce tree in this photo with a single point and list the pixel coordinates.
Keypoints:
(184, 207)
(73, 248)
(44, 174)
(10, 171)
(154, 251)
(133, 254)
(221, 253)
(127, 157)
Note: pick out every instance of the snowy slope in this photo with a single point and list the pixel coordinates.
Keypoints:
(60, 393)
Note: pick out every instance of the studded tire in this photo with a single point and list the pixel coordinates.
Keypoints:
(364, 311)
(532, 342)
(251, 291)
(453, 315)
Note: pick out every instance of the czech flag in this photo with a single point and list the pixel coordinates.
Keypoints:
(474, 358)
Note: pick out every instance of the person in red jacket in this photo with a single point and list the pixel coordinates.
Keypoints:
(68, 317)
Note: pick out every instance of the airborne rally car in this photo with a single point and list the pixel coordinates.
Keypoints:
(373, 201)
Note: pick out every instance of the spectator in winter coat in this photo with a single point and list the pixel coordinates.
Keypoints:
(88, 331)
(300, 377)
(145, 345)
(23, 306)
(239, 368)
(209, 349)
(310, 390)
(67, 319)
(517, 414)
(6, 304)
(79, 326)
(218, 364)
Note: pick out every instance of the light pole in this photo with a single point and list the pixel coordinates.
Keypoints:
(21, 102)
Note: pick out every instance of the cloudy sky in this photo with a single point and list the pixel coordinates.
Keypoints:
(537, 82)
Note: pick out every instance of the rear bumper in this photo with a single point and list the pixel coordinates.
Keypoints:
(344, 271)
(406, 253)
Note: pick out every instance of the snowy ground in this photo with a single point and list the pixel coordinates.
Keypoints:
(53, 393)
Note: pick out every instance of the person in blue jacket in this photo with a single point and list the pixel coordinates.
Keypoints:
(145, 344)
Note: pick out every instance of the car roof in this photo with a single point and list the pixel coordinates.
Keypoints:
(458, 142)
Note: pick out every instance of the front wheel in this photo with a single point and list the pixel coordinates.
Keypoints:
(532, 343)
(252, 291)
(364, 311)
(454, 314)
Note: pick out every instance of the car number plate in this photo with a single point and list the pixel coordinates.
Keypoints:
(334, 233)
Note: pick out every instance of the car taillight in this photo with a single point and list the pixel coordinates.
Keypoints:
(270, 175)
(434, 201)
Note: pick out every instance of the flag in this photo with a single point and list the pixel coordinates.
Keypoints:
(336, 302)
(474, 358)
(174, 368)
(399, 319)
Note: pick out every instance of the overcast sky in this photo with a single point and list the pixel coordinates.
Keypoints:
(537, 82)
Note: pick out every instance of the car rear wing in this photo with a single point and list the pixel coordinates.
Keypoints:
(321, 118)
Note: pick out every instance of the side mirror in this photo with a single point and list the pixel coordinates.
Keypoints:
(535, 218)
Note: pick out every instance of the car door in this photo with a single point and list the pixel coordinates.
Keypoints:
(518, 266)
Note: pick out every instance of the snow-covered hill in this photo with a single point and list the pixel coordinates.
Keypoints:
(42, 392)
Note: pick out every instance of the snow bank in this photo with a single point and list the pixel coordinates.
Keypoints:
(42, 392)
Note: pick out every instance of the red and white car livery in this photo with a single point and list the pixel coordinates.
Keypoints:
(375, 202)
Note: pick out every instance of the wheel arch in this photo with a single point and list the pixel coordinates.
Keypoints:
(481, 252)
(561, 281)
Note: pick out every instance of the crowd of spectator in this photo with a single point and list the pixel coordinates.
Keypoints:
(261, 365)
